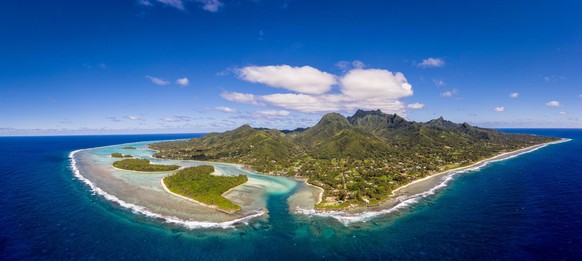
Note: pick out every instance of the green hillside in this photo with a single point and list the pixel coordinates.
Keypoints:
(199, 184)
(357, 160)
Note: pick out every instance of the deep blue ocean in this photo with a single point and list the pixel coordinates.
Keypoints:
(525, 208)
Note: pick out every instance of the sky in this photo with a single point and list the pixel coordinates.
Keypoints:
(196, 66)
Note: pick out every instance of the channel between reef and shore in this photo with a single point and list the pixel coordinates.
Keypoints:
(146, 211)
(400, 197)
(407, 194)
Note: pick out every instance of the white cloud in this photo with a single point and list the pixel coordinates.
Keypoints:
(240, 97)
(450, 93)
(304, 79)
(439, 82)
(358, 89)
(225, 109)
(211, 5)
(553, 103)
(273, 113)
(158, 81)
(431, 63)
(183, 81)
(135, 118)
(177, 119)
(415, 106)
(305, 102)
(514, 95)
(563, 113)
(173, 3)
(374, 84)
(499, 109)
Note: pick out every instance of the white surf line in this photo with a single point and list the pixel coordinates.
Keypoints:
(347, 219)
(144, 211)
(195, 201)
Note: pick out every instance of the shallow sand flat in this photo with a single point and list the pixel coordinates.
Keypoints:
(305, 197)
(145, 190)
(140, 189)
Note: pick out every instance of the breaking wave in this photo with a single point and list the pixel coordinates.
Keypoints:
(406, 201)
(190, 224)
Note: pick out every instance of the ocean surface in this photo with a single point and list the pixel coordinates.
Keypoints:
(524, 208)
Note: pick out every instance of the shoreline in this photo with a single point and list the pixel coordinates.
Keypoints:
(138, 209)
(395, 196)
(196, 201)
(321, 190)
(398, 199)
(481, 162)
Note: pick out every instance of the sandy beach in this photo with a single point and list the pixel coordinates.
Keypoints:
(411, 192)
(196, 201)
(149, 191)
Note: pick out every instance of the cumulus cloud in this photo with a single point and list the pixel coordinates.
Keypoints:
(158, 81)
(499, 109)
(415, 106)
(225, 109)
(514, 95)
(240, 97)
(450, 93)
(431, 63)
(305, 79)
(563, 113)
(375, 83)
(553, 103)
(358, 89)
(183, 81)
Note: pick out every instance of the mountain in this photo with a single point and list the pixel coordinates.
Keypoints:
(357, 160)
(329, 125)
(242, 145)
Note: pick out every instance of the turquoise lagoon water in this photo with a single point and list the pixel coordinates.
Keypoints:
(525, 208)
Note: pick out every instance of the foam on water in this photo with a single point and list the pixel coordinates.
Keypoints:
(191, 224)
(406, 201)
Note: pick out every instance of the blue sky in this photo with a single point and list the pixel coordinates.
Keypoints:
(162, 66)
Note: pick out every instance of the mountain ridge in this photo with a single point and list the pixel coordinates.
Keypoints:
(357, 160)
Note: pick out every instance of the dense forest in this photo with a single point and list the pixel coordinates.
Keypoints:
(143, 165)
(119, 155)
(357, 160)
(197, 183)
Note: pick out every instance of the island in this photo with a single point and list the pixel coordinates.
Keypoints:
(129, 148)
(357, 161)
(197, 183)
(119, 155)
(143, 165)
